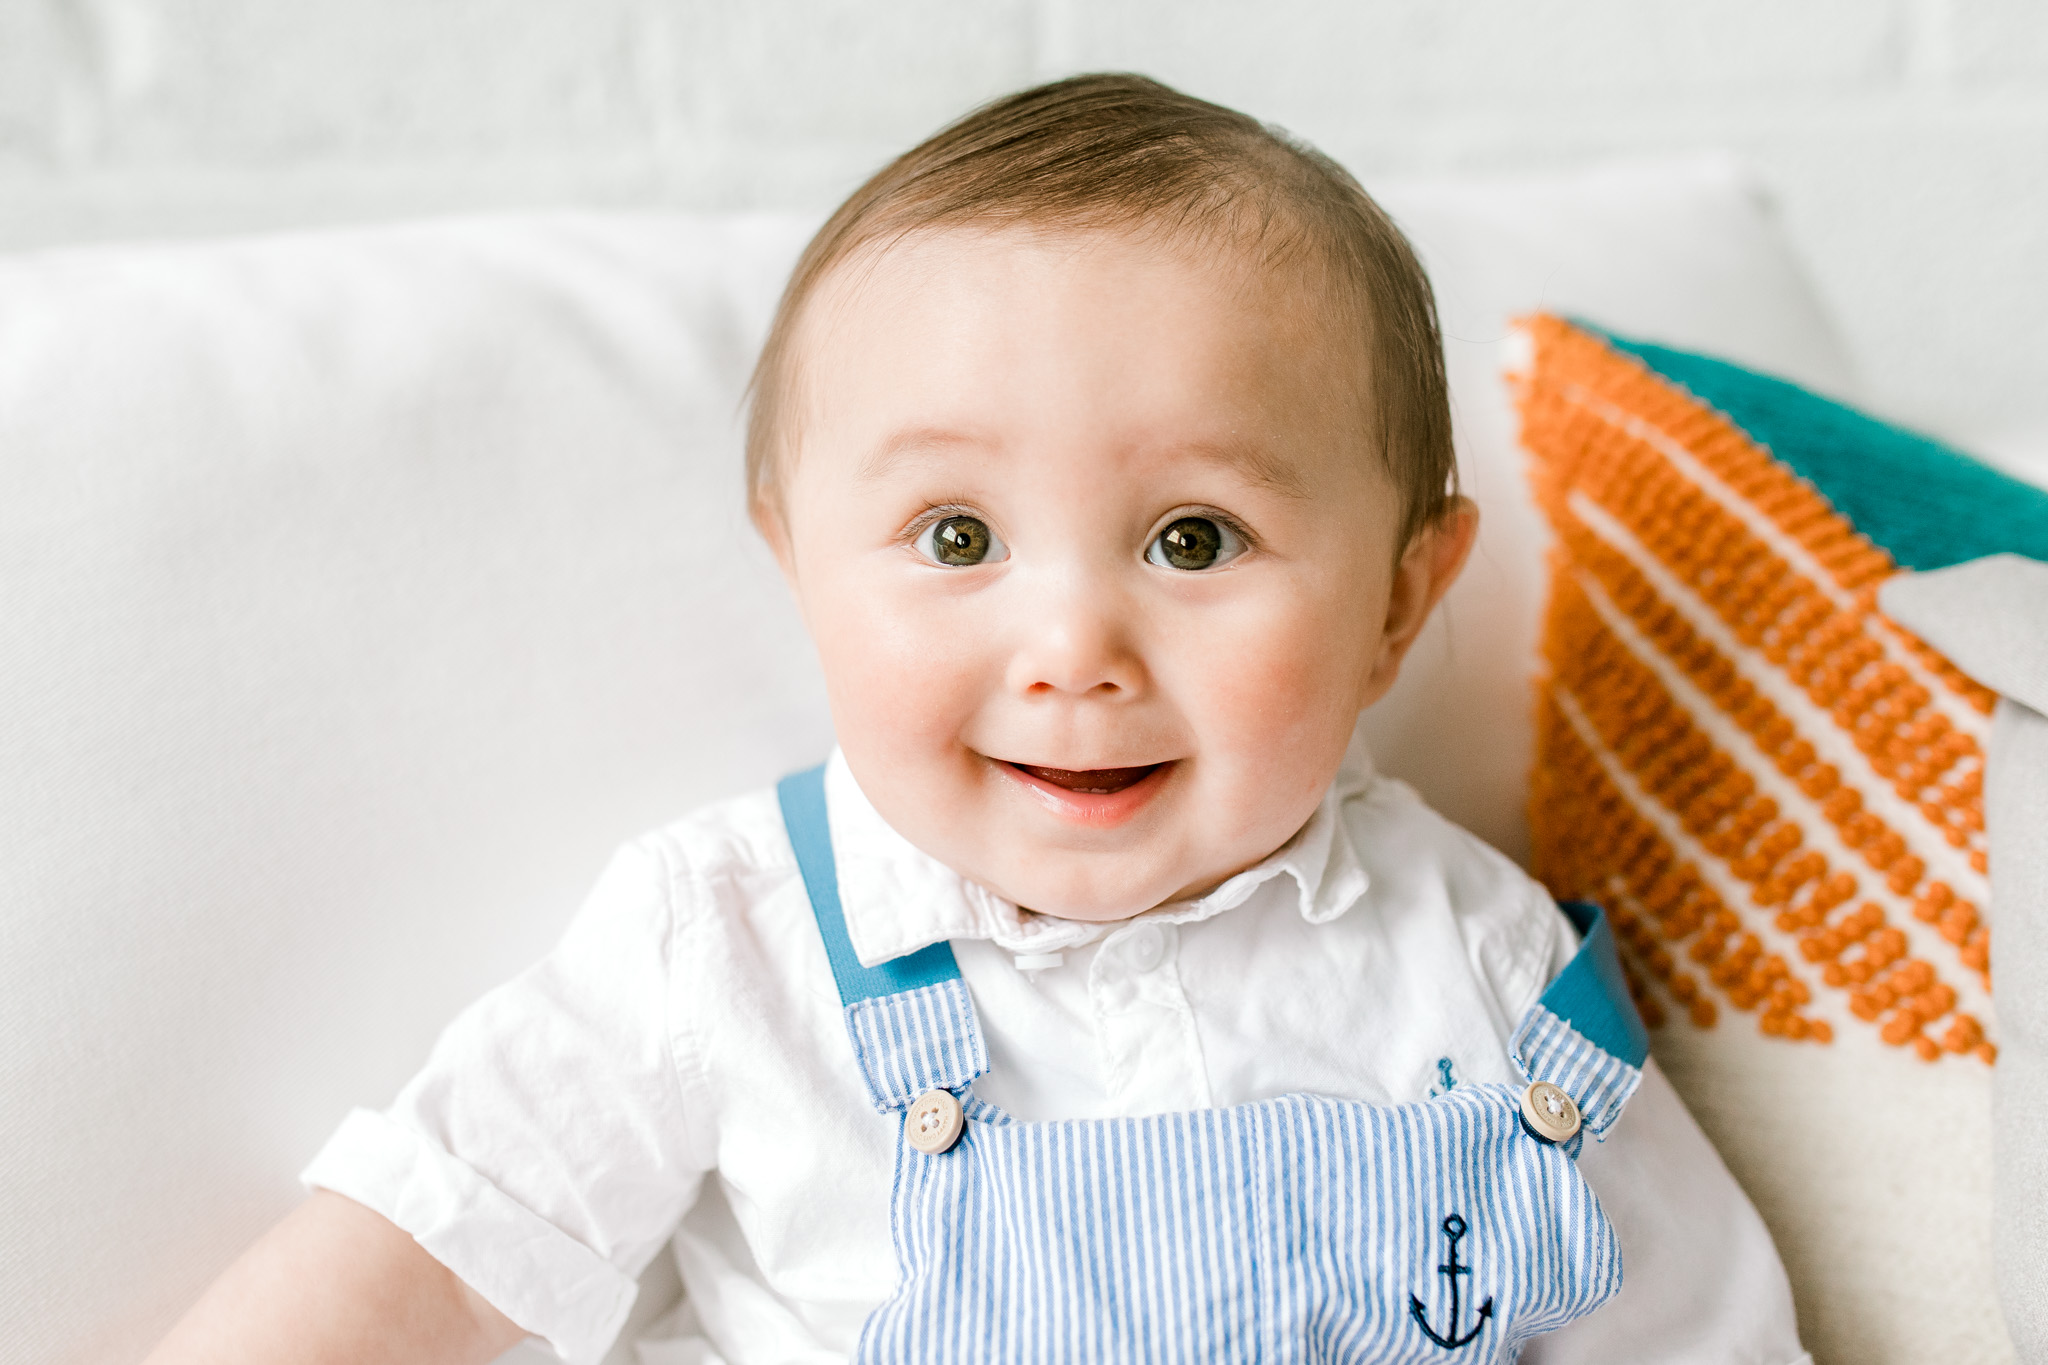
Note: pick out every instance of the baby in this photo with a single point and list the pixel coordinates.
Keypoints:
(1086, 1004)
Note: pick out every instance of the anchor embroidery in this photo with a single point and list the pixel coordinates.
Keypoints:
(1443, 1067)
(1454, 1229)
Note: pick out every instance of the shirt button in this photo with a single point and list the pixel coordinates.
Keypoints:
(1548, 1113)
(934, 1123)
(1145, 947)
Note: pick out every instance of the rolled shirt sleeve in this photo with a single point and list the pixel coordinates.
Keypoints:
(546, 1153)
(1701, 1280)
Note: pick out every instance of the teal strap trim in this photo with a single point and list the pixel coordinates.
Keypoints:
(1591, 994)
(1927, 504)
(810, 833)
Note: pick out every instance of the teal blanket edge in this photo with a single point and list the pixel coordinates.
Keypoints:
(1927, 504)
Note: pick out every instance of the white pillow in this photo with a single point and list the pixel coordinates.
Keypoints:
(1990, 617)
(1680, 252)
(362, 588)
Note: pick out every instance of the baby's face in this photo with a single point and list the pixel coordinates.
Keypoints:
(1099, 563)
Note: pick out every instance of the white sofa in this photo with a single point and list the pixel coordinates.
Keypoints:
(360, 589)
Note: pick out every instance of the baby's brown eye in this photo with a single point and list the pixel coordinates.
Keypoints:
(1195, 543)
(960, 542)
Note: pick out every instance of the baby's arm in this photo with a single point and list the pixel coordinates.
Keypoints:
(536, 1164)
(335, 1282)
(1701, 1282)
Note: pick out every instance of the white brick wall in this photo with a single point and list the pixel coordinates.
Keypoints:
(1907, 139)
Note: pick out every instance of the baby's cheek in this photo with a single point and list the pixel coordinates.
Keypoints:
(1285, 680)
(1274, 728)
(895, 675)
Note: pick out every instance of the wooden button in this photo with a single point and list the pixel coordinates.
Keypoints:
(1549, 1113)
(934, 1123)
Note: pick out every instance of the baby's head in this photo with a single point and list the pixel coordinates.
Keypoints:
(1104, 441)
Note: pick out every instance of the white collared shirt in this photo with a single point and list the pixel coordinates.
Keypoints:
(678, 1070)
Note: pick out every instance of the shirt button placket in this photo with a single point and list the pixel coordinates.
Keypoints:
(1143, 1022)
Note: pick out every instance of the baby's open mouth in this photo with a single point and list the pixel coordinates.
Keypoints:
(1091, 781)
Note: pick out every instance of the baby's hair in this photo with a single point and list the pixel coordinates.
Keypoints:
(1118, 151)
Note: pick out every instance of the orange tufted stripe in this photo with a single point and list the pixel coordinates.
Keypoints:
(1776, 789)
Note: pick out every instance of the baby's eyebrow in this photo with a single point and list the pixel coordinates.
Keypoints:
(1254, 462)
(910, 444)
(1260, 465)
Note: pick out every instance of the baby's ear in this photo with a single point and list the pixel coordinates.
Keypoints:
(1428, 567)
(766, 514)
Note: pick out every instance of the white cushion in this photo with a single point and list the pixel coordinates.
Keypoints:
(362, 588)
(1990, 617)
(1684, 253)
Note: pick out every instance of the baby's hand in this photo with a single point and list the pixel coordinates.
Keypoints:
(336, 1284)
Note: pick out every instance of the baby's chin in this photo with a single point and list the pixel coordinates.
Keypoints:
(1089, 913)
(1022, 844)
(1064, 885)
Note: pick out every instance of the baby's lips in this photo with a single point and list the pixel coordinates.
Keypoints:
(1090, 781)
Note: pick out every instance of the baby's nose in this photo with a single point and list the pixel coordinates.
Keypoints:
(1076, 646)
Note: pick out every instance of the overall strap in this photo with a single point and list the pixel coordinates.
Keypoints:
(910, 1019)
(1583, 1034)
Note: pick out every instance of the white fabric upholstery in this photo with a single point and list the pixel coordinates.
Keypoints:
(1682, 253)
(1990, 616)
(361, 589)
(361, 592)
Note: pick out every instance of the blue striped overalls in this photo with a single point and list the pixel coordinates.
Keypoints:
(1298, 1228)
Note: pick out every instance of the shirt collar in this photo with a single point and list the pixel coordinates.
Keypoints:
(897, 898)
